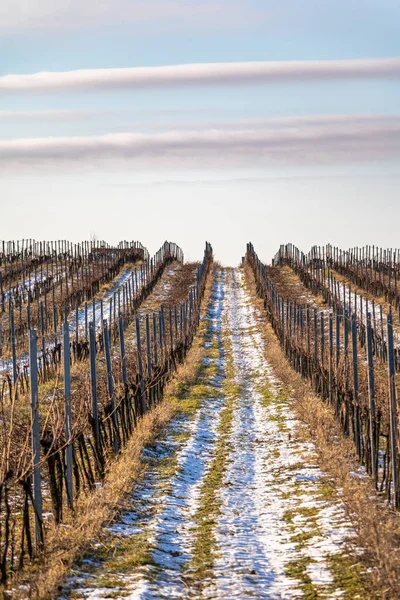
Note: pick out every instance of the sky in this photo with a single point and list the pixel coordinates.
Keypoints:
(188, 120)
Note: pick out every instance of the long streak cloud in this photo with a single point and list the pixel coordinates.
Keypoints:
(338, 139)
(201, 74)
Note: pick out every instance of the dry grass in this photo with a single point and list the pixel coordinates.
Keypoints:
(184, 278)
(50, 390)
(289, 285)
(376, 525)
(64, 543)
(355, 287)
(368, 296)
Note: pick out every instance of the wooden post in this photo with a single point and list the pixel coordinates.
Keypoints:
(37, 492)
(346, 345)
(13, 349)
(93, 380)
(148, 345)
(28, 311)
(155, 338)
(322, 339)
(122, 348)
(392, 410)
(86, 321)
(140, 366)
(110, 311)
(68, 414)
(114, 309)
(357, 416)
(110, 382)
(43, 340)
(54, 314)
(337, 339)
(160, 327)
(330, 359)
(371, 395)
(315, 347)
(164, 341)
(76, 327)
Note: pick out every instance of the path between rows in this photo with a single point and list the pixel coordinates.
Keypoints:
(232, 504)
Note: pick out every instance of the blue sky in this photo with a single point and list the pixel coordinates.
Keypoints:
(228, 194)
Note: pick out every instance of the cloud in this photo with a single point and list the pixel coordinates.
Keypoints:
(289, 141)
(201, 74)
(45, 115)
(62, 14)
(148, 120)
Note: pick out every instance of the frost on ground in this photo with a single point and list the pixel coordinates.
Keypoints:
(98, 309)
(232, 503)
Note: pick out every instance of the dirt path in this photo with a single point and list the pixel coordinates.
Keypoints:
(232, 503)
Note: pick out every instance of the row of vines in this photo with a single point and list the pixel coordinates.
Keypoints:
(346, 345)
(71, 399)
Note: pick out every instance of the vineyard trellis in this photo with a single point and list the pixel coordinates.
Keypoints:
(77, 427)
(316, 274)
(83, 361)
(49, 315)
(348, 362)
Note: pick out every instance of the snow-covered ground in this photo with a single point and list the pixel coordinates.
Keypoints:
(107, 303)
(30, 282)
(95, 310)
(275, 529)
(273, 479)
(359, 303)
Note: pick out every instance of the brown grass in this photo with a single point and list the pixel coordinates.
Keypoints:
(376, 525)
(369, 296)
(289, 285)
(183, 279)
